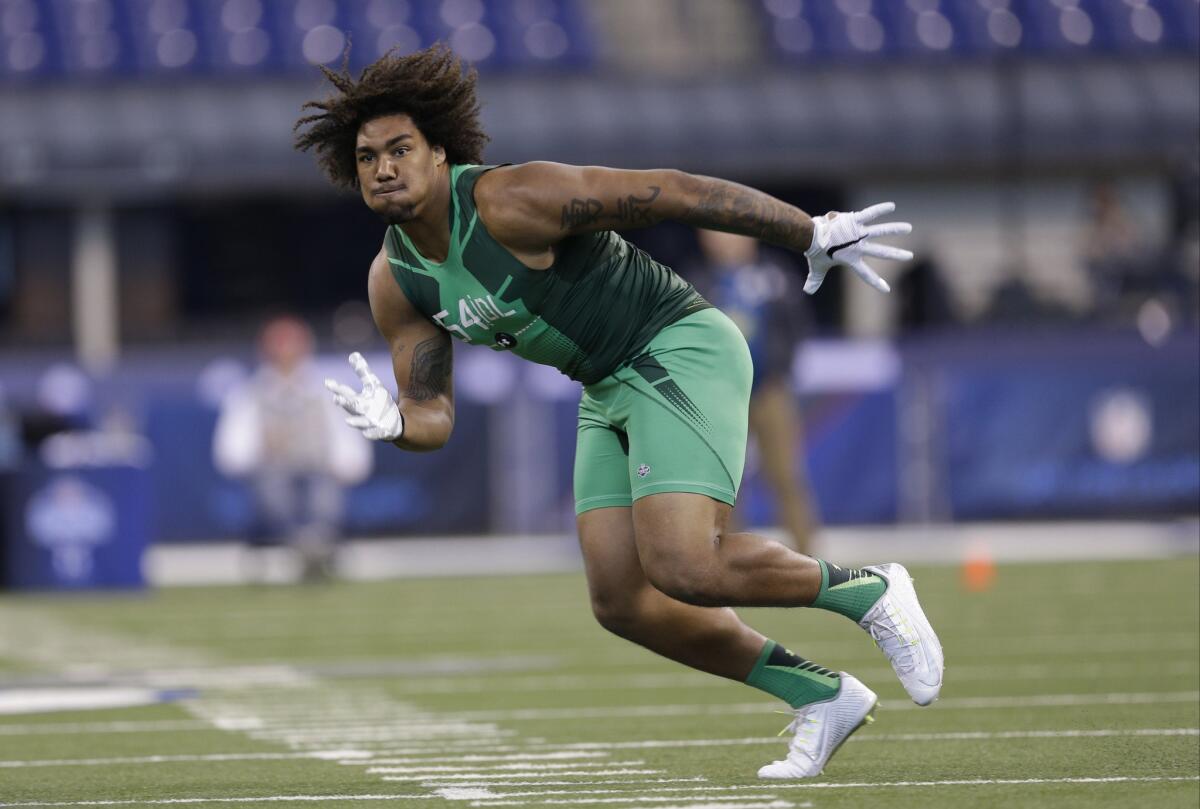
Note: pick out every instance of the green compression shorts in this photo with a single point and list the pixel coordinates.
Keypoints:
(672, 419)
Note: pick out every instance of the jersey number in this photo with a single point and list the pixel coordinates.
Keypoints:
(483, 313)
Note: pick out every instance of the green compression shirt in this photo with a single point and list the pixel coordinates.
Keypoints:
(595, 308)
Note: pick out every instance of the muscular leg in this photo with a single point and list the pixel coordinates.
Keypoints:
(686, 551)
(710, 639)
(775, 424)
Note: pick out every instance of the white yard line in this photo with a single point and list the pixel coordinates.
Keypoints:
(473, 758)
(868, 737)
(724, 802)
(266, 702)
(432, 769)
(446, 754)
(276, 715)
(35, 637)
(72, 728)
(483, 796)
(484, 777)
(1027, 734)
(441, 788)
(951, 703)
(580, 750)
(397, 732)
(338, 755)
(478, 794)
(971, 782)
(249, 799)
(243, 722)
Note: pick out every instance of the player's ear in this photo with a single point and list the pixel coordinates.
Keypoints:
(439, 155)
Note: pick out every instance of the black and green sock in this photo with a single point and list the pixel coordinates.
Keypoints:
(793, 679)
(848, 591)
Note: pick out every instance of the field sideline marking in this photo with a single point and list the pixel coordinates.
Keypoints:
(760, 802)
(248, 799)
(501, 799)
(481, 802)
(875, 737)
(142, 726)
(870, 737)
(484, 793)
(641, 782)
(434, 767)
(964, 703)
(338, 755)
(577, 750)
(429, 778)
(968, 782)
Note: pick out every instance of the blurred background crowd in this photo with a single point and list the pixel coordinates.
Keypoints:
(159, 239)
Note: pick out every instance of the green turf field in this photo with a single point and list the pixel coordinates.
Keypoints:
(1066, 686)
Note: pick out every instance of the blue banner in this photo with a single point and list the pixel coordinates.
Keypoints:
(76, 529)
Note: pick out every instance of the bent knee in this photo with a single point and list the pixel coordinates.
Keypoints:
(684, 575)
(617, 610)
(696, 587)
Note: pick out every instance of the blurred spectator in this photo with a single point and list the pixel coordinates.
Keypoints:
(1184, 239)
(10, 435)
(1015, 300)
(766, 302)
(281, 432)
(1114, 252)
(1140, 280)
(922, 295)
(62, 403)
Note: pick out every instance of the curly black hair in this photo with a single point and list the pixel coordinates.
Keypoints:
(430, 86)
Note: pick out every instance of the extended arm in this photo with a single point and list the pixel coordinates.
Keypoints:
(530, 207)
(422, 417)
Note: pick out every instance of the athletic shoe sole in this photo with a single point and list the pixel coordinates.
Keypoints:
(905, 598)
(867, 717)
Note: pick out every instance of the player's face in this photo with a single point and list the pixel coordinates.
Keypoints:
(397, 168)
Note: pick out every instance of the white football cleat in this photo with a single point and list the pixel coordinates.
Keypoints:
(820, 728)
(900, 629)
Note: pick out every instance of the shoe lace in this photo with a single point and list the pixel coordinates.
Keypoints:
(892, 634)
(805, 728)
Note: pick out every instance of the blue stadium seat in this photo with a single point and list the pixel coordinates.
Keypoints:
(376, 28)
(240, 36)
(984, 29)
(536, 34)
(470, 27)
(29, 43)
(166, 36)
(310, 32)
(870, 30)
(95, 37)
(924, 29)
(114, 39)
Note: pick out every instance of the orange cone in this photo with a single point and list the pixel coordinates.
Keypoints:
(978, 569)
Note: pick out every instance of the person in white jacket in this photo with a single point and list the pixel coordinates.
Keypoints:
(281, 434)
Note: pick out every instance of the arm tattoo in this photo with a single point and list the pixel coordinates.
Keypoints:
(628, 212)
(738, 209)
(632, 211)
(580, 212)
(432, 362)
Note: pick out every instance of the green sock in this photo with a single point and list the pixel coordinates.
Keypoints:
(793, 679)
(848, 591)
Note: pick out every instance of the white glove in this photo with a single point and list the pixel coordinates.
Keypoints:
(844, 238)
(373, 411)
